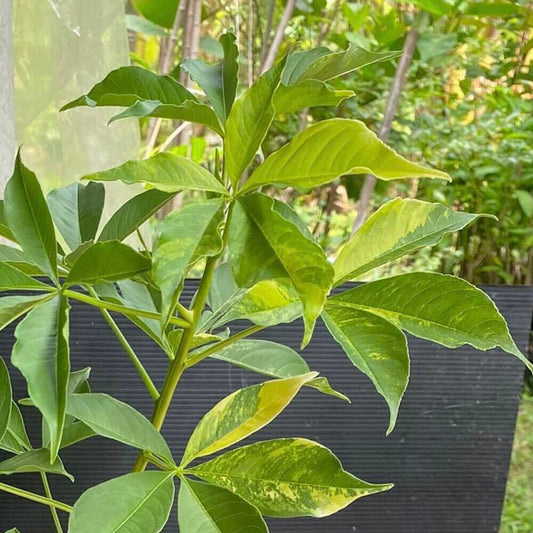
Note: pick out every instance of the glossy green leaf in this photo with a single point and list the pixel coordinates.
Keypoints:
(12, 278)
(242, 413)
(266, 245)
(376, 347)
(249, 121)
(327, 66)
(273, 360)
(12, 307)
(4, 228)
(333, 148)
(309, 93)
(15, 439)
(33, 461)
(76, 211)
(166, 172)
(29, 219)
(116, 420)
(397, 228)
(183, 237)
(219, 82)
(139, 502)
(6, 400)
(41, 353)
(287, 478)
(133, 214)
(204, 508)
(160, 12)
(437, 307)
(107, 261)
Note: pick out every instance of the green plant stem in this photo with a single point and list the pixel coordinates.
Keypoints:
(151, 458)
(195, 358)
(53, 510)
(36, 497)
(184, 312)
(136, 362)
(122, 309)
(177, 366)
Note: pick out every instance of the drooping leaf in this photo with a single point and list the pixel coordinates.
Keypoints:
(15, 439)
(116, 420)
(249, 121)
(330, 66)
(219, 82)
(166, 172)
(133, 214)
(377, 348)
(139, 502)
(266, 245)
(209, 509)
(287, 478)
(33, 461)
(6, 398)
(107, 261)
(41, 353)
(29, 219)
(242, 413)
(76, 211)
(436, 307)
(309, 93)
(12, 278)
(333, 148)
(397, 228)
(183, 237)
(4, 228)
(273, 360)
(12, 307)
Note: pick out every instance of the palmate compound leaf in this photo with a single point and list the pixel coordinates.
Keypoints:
(329, 149)
(41, 353)
(139, 502)
(242, 413)
(397, 228)
(266, 242)
(33, 461)
(436, 307)
(273, 360)
(204, 508)
(116, 420)
(287, 478)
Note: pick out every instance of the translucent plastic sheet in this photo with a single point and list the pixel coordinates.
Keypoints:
(61, 48)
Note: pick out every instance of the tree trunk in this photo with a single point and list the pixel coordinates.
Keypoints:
(278, 36)
(390, 111)
(266, 34)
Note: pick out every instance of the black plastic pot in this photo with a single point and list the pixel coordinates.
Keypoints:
(448, 456)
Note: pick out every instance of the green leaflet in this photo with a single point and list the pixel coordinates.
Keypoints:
(265, 244)
(165, 171)
(298, 62)
(41, 353)
(12, 278)
(287, 478)
(376, 347)
(209, 509)
(309, 93)
(273, 360)
(144, 26)
(29, 219)
(437, 307)
(16, 258)
(133, 214)
(12, 307)
(33, 461)
(76, 211)
(185, 236)
(139, 502)
(116, 420)
(15, 439)
(160, 12)
(4, 228)
(397, 228)
(242, 413)
(5, 398)
(333, 148)
(219, 82)
(107, 261)
(249, 121)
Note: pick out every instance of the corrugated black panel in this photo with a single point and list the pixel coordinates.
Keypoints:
(448, 456)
